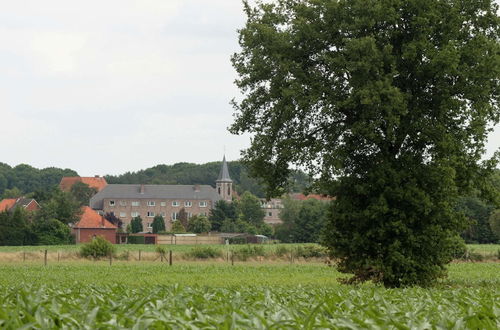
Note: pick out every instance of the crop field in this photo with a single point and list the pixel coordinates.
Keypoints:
(93, 294)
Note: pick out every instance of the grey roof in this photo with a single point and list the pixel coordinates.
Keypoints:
(224, 172)
(163, 191)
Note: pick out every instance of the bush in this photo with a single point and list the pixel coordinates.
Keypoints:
(205, 252)
(249, 251)
(98, 247)
(282, 251)
(311, 251)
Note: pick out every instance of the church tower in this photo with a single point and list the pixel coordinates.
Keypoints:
(224, 184)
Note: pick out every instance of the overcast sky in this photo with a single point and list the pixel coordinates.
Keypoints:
(104, 87)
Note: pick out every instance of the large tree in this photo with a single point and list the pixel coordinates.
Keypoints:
(387, 104)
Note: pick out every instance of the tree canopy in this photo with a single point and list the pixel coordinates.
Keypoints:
(387, 104)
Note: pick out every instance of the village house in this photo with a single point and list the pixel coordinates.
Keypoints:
(10, 204)
(92, 224)
(127, 201)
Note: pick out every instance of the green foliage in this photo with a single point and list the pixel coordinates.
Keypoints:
(177, 228)
(222, 211)
(82, 193)
(477, 213)
(158, 224)
(387, 106)
(494, 222)
(14, 229)
(199, 224)
(161, 250)
(24, 178)
(249, 251)
(136, 225)
(303, 221)
(12, 193)
(250, 209)
(51, 232)
(61, 206)
(98, 247)
(205, 252)
(183, 217)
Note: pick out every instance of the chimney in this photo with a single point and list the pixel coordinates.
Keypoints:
(96, 176)
(197, 188)
(142, 189)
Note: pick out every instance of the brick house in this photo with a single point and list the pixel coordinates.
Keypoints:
(10, 204)
(127, 201)
(92, 224)
(96, 182)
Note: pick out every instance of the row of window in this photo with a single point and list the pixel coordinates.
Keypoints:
(153, 203)
(149, 214)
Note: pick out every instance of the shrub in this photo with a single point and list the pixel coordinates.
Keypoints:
(98, 247)
(205, 252)
(248, 251)
(282, 251)
(311, 251)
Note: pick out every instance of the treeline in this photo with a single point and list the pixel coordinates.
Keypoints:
(188, 173)
(24, 179)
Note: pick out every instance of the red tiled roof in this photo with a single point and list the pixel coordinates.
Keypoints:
(302, 197)
(94, 182)
(92, 219)
(7, 204)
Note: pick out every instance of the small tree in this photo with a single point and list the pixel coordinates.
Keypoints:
(250, 209)
(82, 192)
(177, 227)
(158, 224)
(98, 247)
(183, 218)
(136, 225)
(222, 210)
(199, 224)
(495, 223)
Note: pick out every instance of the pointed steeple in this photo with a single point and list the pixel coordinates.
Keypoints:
(224, 172)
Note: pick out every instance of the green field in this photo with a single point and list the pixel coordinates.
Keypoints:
(91, 294)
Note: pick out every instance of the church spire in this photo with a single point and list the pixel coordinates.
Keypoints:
(224, 184)
(224, 172)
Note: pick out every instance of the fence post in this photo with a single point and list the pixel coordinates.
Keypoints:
(45, 258)
(161, 257)
(170, 257)
(110, 258)
(24, 256)
(139, 255)
(232, 258)
(58, 257)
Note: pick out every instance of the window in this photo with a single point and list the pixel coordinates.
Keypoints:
(203, 214)
(123, 203)
(189, 215)
(150, 225)
(175, 215)
(203, 204)
(111, 203)
(134, 214)
(163, 204)
(188, 204)
(270, 214)
(151, 214)
(151, 203)
(123, 214)
(136, 203)
(175, 203)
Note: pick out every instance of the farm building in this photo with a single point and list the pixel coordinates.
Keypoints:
(10, 204)
(92, 224)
